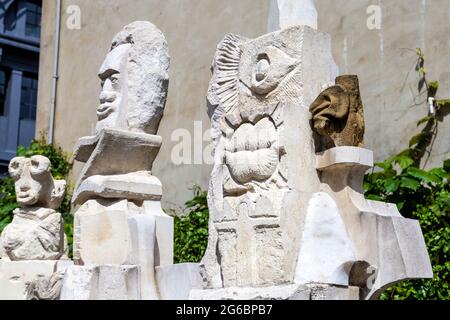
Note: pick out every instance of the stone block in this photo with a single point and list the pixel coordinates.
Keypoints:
(176, 282)
(136, 186)
(106, 282)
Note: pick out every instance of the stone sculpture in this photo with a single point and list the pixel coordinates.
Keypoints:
(138, 57)
(264, 169)
(36, 232)
(285, 222)
(121, 233)
(338, 115)
(34, 244)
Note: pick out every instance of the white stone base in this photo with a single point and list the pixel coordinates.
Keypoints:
(107, 282)
(14, 276)
(285, 292)
(176, 282)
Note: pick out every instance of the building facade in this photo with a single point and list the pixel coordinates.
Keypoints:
(375, 39)
(20, 29)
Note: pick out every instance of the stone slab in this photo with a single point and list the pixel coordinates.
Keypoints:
(112, 153)
(344, 155)
(136, 186)
(283, 292)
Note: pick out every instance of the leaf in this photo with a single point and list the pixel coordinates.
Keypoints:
(400, 205)
(404, 161)
(422, 81)
(433, 85)
(391, 185)
(409, 183)
(422, 121)
(441, 173)
(443, 104)
(386, 165)
(423, 175)
(374, 197)
(447, 165)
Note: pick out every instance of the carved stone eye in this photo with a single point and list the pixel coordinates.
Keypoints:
(15, 167)
(272, 65)
(262, 68)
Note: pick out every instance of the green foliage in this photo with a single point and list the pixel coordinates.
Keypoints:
(191, 230)
(60, 170)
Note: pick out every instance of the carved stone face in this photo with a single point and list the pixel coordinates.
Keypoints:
(114, 88)
(135, 77)
(34, 183)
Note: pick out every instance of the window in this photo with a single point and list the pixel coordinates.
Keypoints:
(33, 22)
(28, 100)
(3, 87)
(11, 17)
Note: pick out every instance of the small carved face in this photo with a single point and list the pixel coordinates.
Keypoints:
(33, 178)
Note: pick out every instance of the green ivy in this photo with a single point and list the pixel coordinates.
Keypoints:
(191, 230)
(61, 167)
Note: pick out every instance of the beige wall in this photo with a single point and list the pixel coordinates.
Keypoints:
(385, 59)
(382, 59)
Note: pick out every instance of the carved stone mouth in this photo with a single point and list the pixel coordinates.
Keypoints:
(23, 196)
(252, 154)
(104, 110)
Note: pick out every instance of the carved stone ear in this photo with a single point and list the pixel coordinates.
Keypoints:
(15, 167)
(57, 194)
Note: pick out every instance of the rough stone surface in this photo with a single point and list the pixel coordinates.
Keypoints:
(387, 248)
(338, 115)
(36, 232)
(111, 232)
(34, 235)
(139, 54)
(287, 13)
(77, 283)
(107, 282)
(15, 276)
(326, 246)
(136, 186)
(282, 292)
(264, 171)
(175, 282)
(104, 156)
(47, 288)
(104, 234)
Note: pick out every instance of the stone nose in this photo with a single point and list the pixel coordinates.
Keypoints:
(24, 188)
(107, 96)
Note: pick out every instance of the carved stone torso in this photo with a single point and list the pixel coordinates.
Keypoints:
(34, 234)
